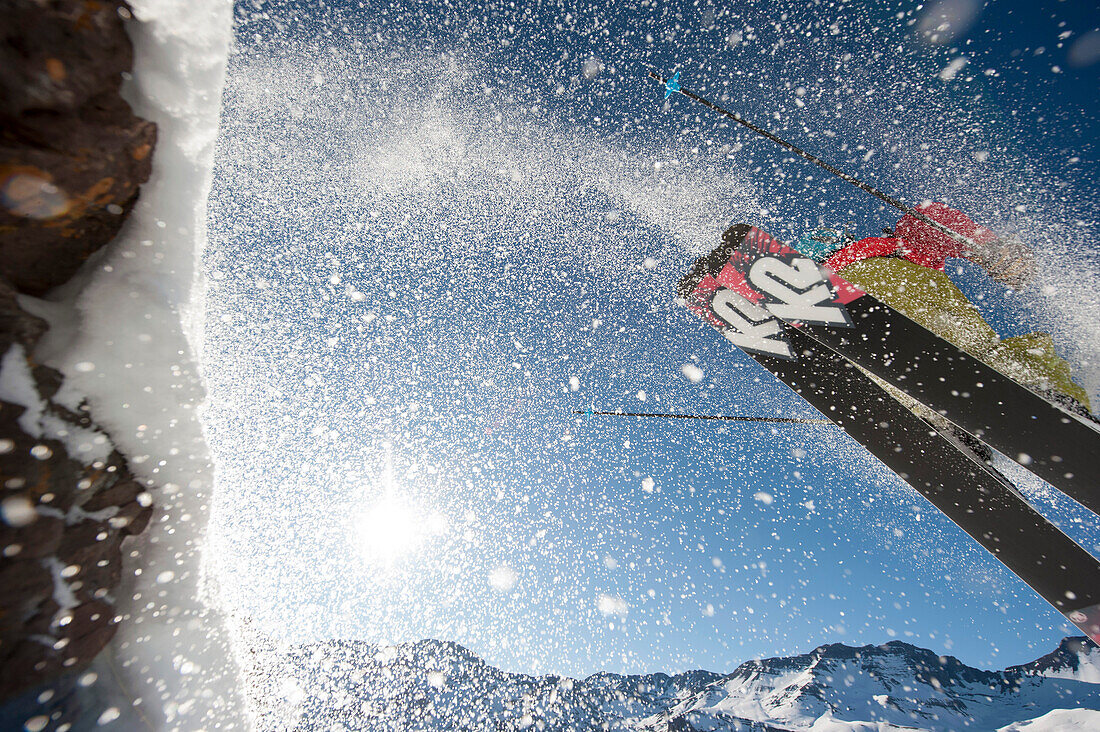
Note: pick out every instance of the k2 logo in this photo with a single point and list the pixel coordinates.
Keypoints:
(751, 327)
(798, 292)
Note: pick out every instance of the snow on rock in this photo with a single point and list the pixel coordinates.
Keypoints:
(124, 332)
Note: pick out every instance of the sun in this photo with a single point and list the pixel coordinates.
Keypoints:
(388, 530)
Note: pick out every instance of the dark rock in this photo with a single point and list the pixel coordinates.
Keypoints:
(30, 662)
(38, 467)
(26, 583)
(90, 627)
(72, 158)
(48, 380)
(16, 324)
(140, 520)
(56, 55)
(82, 650)
(136, 517)
(119, 494)
(82, 546)
(72, 152)
(36, 540)
(104, 575)
(42, 472)
(40, 622)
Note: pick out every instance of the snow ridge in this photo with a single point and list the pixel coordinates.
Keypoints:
(435, 685)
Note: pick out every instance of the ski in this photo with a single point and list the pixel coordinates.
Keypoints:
(1059, 447)
(752, 288)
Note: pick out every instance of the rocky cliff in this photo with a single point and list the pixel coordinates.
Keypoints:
(72, 159)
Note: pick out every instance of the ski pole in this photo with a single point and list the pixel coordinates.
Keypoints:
(815, 160)
(792, 420)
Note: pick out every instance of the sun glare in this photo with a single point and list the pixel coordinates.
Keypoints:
(388, 530)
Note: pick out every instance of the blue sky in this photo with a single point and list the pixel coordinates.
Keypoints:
(434, 237)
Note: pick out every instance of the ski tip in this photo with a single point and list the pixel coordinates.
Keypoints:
(672, 85)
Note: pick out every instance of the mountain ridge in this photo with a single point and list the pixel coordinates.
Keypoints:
(441, 685)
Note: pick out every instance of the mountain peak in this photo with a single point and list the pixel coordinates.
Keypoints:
(1076, 657)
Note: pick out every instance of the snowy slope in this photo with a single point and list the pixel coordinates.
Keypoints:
(439, 685)
(1060, 720)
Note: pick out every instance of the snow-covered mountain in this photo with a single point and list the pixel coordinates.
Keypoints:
(1075, 658)
(439, 685)
(890, 687)
(436, 685)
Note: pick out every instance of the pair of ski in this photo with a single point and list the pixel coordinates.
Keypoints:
(812, 329)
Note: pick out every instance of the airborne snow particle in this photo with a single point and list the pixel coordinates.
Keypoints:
(611, 605)
(763, 497)
(109, 715)
(692, 373)
(165, 577)
(952, 69)
(591, 67)
(1023, 459)
(641, 395)
(36, 724)
(650, 263)
(574, 383)
(647, 484)
(503, 578)
(18, 511)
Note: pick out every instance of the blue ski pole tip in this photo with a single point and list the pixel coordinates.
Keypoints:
(672, 85)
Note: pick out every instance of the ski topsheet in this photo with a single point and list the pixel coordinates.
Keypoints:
(753, 285)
